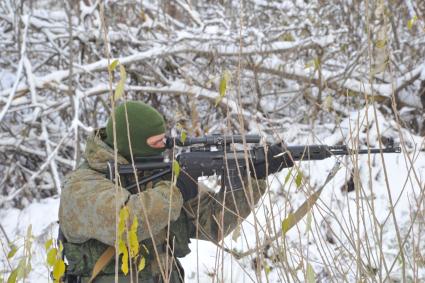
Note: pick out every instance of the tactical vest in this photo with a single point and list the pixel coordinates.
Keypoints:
(81, 257)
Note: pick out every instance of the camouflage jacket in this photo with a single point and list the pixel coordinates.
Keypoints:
(87, 213)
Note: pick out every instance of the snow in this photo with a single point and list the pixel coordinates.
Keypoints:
(6, 79)
(42, 216)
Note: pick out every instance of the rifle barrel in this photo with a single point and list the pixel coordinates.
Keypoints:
(395, 149)
(319, 152)
(343, 150)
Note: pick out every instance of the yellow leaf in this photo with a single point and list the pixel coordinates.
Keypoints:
(58, 269)
(287, 37)
(142, 264)
(134, 225)
(183, 136)
(60, 246)
(287, 223)
(411, 22)
(223, 86)
(12, 252)
(225, 78)
(311, 276)
(176, 169)
(288, 176)
(381, 43)
(21, 268)
(122, 224)
(299, 179)
(121, 247)
(133, 241)
(113, 65)
(51, 257)
(13, 276)
(124, 264)
(48, 244)
(119, 90)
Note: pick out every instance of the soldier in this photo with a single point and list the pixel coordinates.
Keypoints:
(168, 215)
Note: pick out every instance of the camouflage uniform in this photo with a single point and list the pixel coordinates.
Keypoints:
(87, 217)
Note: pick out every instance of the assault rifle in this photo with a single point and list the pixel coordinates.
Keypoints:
(215, 155)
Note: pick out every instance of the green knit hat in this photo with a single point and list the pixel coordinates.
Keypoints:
(144, 122)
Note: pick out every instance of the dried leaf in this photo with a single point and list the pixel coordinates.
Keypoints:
(236, 233)
(328, 103)
(29, 231)
(309, 219)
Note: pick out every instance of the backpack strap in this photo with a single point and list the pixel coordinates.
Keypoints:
(102, 262)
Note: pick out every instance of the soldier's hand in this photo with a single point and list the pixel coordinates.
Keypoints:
(187, 185)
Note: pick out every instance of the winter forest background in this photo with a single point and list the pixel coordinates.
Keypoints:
(306, 71)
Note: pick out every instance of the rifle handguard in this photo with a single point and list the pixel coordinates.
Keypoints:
(273, 163)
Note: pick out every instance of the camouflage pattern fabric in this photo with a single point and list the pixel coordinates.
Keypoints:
(87, 215)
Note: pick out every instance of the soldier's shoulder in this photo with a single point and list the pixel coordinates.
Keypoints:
(82, 175)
